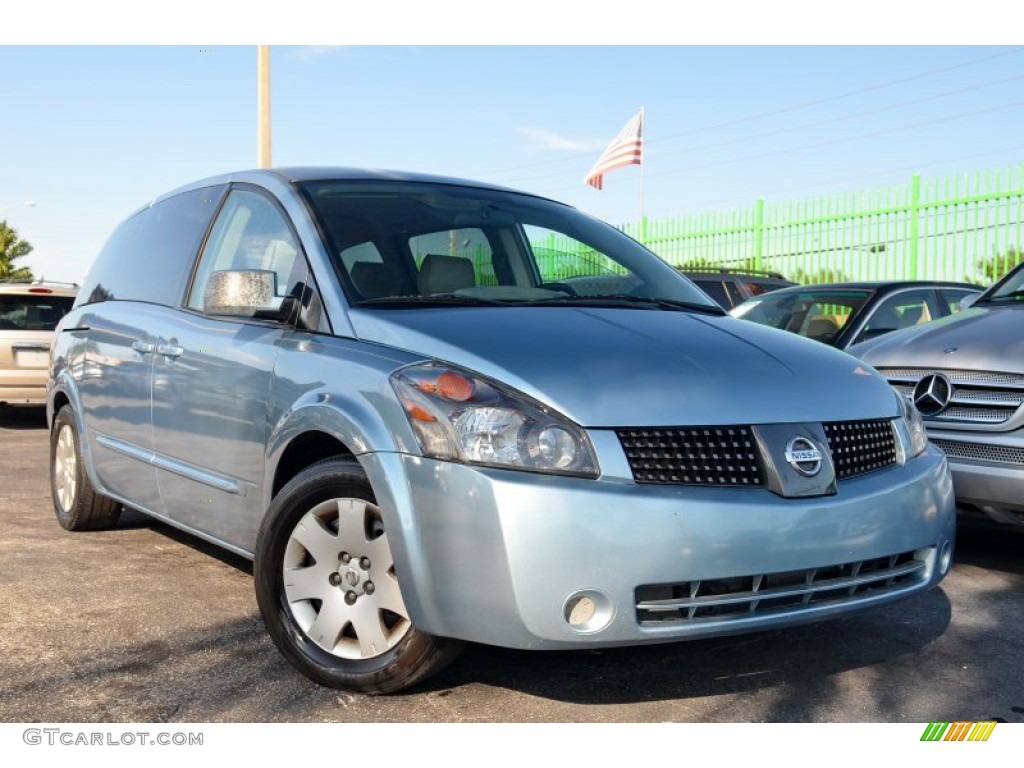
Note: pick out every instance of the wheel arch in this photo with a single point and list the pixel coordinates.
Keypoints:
(61, 391)
(304, 450)
(322, 426)
(58, 401)
(329, 424)
(64, 393)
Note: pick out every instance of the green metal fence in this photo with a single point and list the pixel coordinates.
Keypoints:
(964, 227)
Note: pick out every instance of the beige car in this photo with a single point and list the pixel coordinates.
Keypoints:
(29, 313)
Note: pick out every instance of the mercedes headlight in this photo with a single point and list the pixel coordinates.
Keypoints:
(460, 416)
(913, 438)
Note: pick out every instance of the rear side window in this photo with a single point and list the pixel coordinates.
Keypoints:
(716, 290)
(757, 288)
(149, 257)
(32, 313)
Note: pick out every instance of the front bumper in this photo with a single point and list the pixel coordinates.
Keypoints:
(496, 556)
(987, 471)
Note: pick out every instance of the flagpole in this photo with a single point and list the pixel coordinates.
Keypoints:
(643, 220)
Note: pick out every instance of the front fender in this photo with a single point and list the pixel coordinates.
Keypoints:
(340, 387)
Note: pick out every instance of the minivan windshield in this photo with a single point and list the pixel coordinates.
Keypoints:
(412, 244)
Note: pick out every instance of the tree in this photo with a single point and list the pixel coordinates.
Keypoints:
(994, 267)
(11, 248)
(823, 275)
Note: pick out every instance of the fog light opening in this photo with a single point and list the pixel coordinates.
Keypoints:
(588, 611)
(946, 557)
(581, 612)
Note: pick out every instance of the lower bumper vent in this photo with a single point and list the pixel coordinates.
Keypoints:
(783, 592)
(988, 454)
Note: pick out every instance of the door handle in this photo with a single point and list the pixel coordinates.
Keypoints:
(170, 350)
(35, 346)
(142, 347)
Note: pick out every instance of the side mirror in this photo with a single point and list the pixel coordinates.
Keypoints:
(242, 293)
(968, 300)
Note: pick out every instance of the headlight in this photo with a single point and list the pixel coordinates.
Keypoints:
(460, 416)
(912, 432)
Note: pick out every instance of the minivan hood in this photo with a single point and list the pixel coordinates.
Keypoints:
(634, 368)
(979, 338)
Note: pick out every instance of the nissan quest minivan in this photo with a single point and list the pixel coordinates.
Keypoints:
(434, 411)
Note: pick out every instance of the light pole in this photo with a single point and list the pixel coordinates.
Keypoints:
(263, 105)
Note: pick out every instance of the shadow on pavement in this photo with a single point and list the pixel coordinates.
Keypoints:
(990, 545)
(808, 657)
(22, 418)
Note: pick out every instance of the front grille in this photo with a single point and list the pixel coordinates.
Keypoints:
(978, 397)
(859, 447)
(997, 454)
(957, 376)
(783, 592)
(693, 455)
(729, 455)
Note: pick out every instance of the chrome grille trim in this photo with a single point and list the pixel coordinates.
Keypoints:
(994, 398)
(957, 376)
(994, 454)
(978, 415)
(737, 598)
(979, 397)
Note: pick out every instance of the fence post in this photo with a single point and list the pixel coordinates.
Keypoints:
(758, 233)
(915, 207)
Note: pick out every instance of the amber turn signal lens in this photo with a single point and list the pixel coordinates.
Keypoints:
(454, 386)
(418, 412)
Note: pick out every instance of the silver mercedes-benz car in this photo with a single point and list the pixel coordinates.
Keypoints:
(966, 375)
(435, 411)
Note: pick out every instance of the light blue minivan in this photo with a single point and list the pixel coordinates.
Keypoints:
(435, 411)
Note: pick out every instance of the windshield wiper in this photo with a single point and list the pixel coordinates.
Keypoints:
(618, 299)
(441, 299)
(1018, 294)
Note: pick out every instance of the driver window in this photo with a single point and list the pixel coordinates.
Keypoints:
(903, 310)
(250, 233)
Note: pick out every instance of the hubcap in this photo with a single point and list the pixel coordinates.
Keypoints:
(339, 580)
(65, 468)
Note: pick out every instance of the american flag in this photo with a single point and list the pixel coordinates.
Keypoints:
(626, 149)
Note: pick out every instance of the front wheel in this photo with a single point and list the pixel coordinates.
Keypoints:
(327, 588)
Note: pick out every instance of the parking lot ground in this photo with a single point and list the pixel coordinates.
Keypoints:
(145, 624)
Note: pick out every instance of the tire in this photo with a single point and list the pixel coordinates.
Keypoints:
(77, 504)
(327, 589)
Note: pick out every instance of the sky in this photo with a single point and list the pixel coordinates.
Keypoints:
(92, 132)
